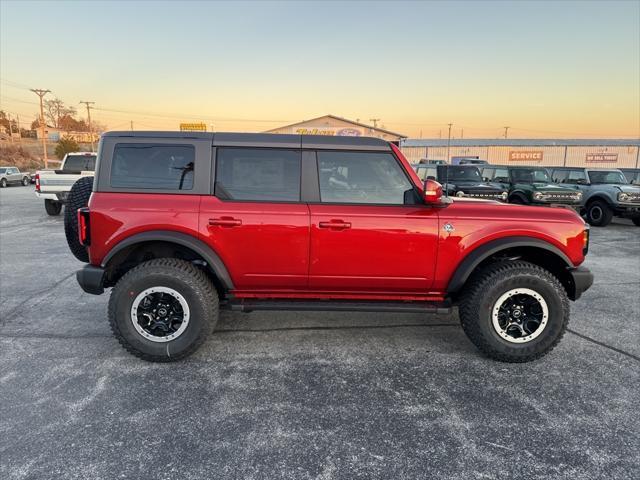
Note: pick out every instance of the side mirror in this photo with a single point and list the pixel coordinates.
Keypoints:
(581, 181)
(432, 191)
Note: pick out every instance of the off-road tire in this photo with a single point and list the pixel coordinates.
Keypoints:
(3, 183)
(52, 207)
(483, 290)
(603, 211)
(636, 221)
(181, 276)
(78, 198)
(26, 181)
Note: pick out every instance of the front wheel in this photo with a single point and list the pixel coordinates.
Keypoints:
(636, 221)
(599, 214)
(3, 183)
(52, 207)
(163, 309)
(26, 181)
(514, 311)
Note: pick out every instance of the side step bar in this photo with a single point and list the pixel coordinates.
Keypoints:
(249, 305)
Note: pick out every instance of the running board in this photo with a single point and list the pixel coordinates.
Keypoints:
(249, 305)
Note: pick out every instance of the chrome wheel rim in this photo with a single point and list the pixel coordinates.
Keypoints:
(520, 315)
(160, 314)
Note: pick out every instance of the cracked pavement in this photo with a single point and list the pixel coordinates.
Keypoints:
(308, 395)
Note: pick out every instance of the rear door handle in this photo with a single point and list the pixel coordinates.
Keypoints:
(225, 222)
(337, 224)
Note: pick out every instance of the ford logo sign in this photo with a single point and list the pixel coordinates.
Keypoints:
(348, 132)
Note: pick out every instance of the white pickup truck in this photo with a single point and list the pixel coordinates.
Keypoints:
(53, 185)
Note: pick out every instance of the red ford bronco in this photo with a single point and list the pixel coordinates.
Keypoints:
(184, 224)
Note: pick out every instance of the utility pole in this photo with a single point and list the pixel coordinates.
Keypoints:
(449, 142)
(89, 107)
(506, 129)
(10, 127)
(375, 122)
(462, 133)
(41, 93)
(132, 125)
(19, 129)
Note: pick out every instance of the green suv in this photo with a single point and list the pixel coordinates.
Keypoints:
(532, 186)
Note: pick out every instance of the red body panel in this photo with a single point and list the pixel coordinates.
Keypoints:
(384, 248)
(117, 216)
(269, 249)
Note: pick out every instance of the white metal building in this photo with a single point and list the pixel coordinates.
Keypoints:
(544, 152)
(336, 126)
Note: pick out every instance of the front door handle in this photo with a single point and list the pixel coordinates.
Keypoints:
(337, 224)
(225, 222)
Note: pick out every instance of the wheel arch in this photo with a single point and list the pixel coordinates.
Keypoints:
(599, 197)
(533, 250)
(164, 244)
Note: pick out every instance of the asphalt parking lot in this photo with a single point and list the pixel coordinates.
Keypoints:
(307, 396)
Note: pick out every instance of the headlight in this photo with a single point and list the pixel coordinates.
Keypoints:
(538, 196)
(578, 196)
(504, 196)
(623, 197)
(460, 194)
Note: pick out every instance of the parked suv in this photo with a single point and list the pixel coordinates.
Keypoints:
(183, 224)
(632, 175)
(607, 193)
(462, 181)
(532, 186)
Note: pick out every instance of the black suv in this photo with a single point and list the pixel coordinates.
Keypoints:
(462, 181)
(531, 186)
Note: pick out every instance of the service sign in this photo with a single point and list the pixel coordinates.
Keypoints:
(522, 156)
(602, 158)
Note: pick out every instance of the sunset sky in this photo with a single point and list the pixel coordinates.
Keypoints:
(547, 69)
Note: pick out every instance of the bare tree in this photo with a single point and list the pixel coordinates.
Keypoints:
(55, 110)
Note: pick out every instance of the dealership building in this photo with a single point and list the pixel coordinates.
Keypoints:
(335, 126)
(543, 152)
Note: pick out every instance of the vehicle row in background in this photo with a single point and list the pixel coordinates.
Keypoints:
(596, 193)
(53, 185)
(13, 176)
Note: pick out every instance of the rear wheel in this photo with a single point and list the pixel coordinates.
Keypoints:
(163, 310)
(52, 207)
(26, 181)
(599, 214)
(78, 198)
(636, 221)
(514, 311)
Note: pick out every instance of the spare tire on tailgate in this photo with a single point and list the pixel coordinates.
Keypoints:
(78, 198)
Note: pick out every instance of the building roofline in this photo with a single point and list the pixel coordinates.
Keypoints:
(341, 119)
(522, 142)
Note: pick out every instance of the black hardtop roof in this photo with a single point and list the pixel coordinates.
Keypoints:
(490, 165)
(234, 139)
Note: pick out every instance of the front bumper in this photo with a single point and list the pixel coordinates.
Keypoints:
(582, 279)
(91, 279)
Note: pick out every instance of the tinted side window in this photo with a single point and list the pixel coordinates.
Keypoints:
(258, 174)
(572, 176)
(356, 177)
(558, 176)
(153, 166)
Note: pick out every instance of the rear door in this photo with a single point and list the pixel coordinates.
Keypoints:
(369, 233)
(256, 221)
(14, 175)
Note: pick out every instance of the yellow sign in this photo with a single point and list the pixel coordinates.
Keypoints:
(193, 127)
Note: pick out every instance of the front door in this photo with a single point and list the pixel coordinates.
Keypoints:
(369, 233)
(255, 220)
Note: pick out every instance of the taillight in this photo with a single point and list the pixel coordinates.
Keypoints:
(38, 182)
(84, 232)
(585, 241)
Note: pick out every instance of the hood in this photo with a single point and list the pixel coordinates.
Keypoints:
(628, 188)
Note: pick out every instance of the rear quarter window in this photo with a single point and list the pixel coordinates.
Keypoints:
(153, 166)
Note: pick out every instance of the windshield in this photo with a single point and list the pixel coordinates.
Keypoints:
(80, 162)
(465, 173)
(530, 175)
(607, 176)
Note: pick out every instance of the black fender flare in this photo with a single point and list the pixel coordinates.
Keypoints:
(210, 256)
(466, 267)
(520, 194)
